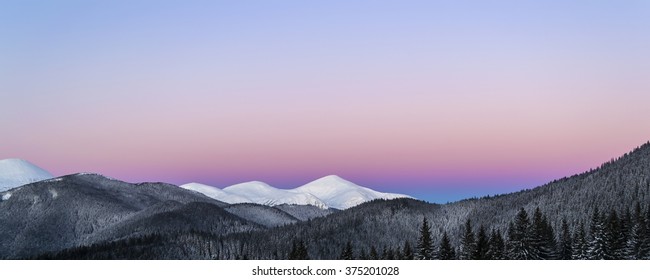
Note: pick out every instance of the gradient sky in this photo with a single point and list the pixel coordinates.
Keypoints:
(441, 100)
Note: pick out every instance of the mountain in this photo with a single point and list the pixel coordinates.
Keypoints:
(216, 193)
(261, 214)
(83, 209)
(327, 192)
(86, 216)
(588, 202)
(18, 172)
(262, 193)
(339, 193)
(305, 212)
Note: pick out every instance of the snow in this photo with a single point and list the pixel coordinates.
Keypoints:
(54, 180)
(216, 193)
(6, 196)
(262, 193)
(339, 193)
(328, 192)
(17, 172)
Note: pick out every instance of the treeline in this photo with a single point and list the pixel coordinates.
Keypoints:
(610, 236)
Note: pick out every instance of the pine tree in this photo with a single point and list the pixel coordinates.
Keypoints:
(565, 247)
(446, 252)
(467, 242)
(580, 246)
(598, 241)
(424, 250)
(408, 251)
(519, 243)
(496, 246)
(635, 248)
(398, 253)
(388, 254)
(613, 237)
(298, 251)
(542, 237)
(373, 253)
(481, 246)
(363, 255)
(347, 253)
(645, 247)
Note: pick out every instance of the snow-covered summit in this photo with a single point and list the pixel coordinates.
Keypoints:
(17, 172)
(327, 192)
(216, 193)
(262, 193)
(339, 193)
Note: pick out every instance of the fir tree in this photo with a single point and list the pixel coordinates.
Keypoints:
(298, 251)
(598, 241)
(373, 253)
(613, 237)
(467, 242)
(519, 243)
(363, 255)
(496, 246)
(446, 252)
(635, 248)
(580, 246)
(481, 246)
(542, 237)
(347, 253)
(408, 251)
(565, 247)
(424, 250)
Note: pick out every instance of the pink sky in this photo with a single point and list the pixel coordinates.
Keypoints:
(489, 100)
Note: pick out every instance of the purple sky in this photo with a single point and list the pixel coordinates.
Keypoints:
(438, 99)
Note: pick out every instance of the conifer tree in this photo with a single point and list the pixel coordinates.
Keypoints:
(373, 253)
(580, 246)
(467, 242)
(363, 255)
(424, 250)
(398, 253)
(347, 253)
(598, 241)
(481, 246)
(408, 251)
(636, 248)
(613, 237)
(446, 252)
(496, 246)
(565, 247)
(298, 251)
(519, 243)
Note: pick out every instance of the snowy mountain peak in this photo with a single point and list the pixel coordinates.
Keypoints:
(17, 172)
(339, 193)
(216, 193)
(252, 186)
(328, 192)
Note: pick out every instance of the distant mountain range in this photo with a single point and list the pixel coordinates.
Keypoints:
(601, 213)
(327, 192)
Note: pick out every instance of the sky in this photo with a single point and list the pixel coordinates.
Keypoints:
(441, 100)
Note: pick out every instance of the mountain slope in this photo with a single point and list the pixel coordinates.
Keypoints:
(261, 214)
(339, 193)
(617, 185)
(262, 193)
(327, 192)
(216, 193)
(86, 208)
(18, 172)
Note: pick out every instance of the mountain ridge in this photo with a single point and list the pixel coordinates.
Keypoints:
(330, 191)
